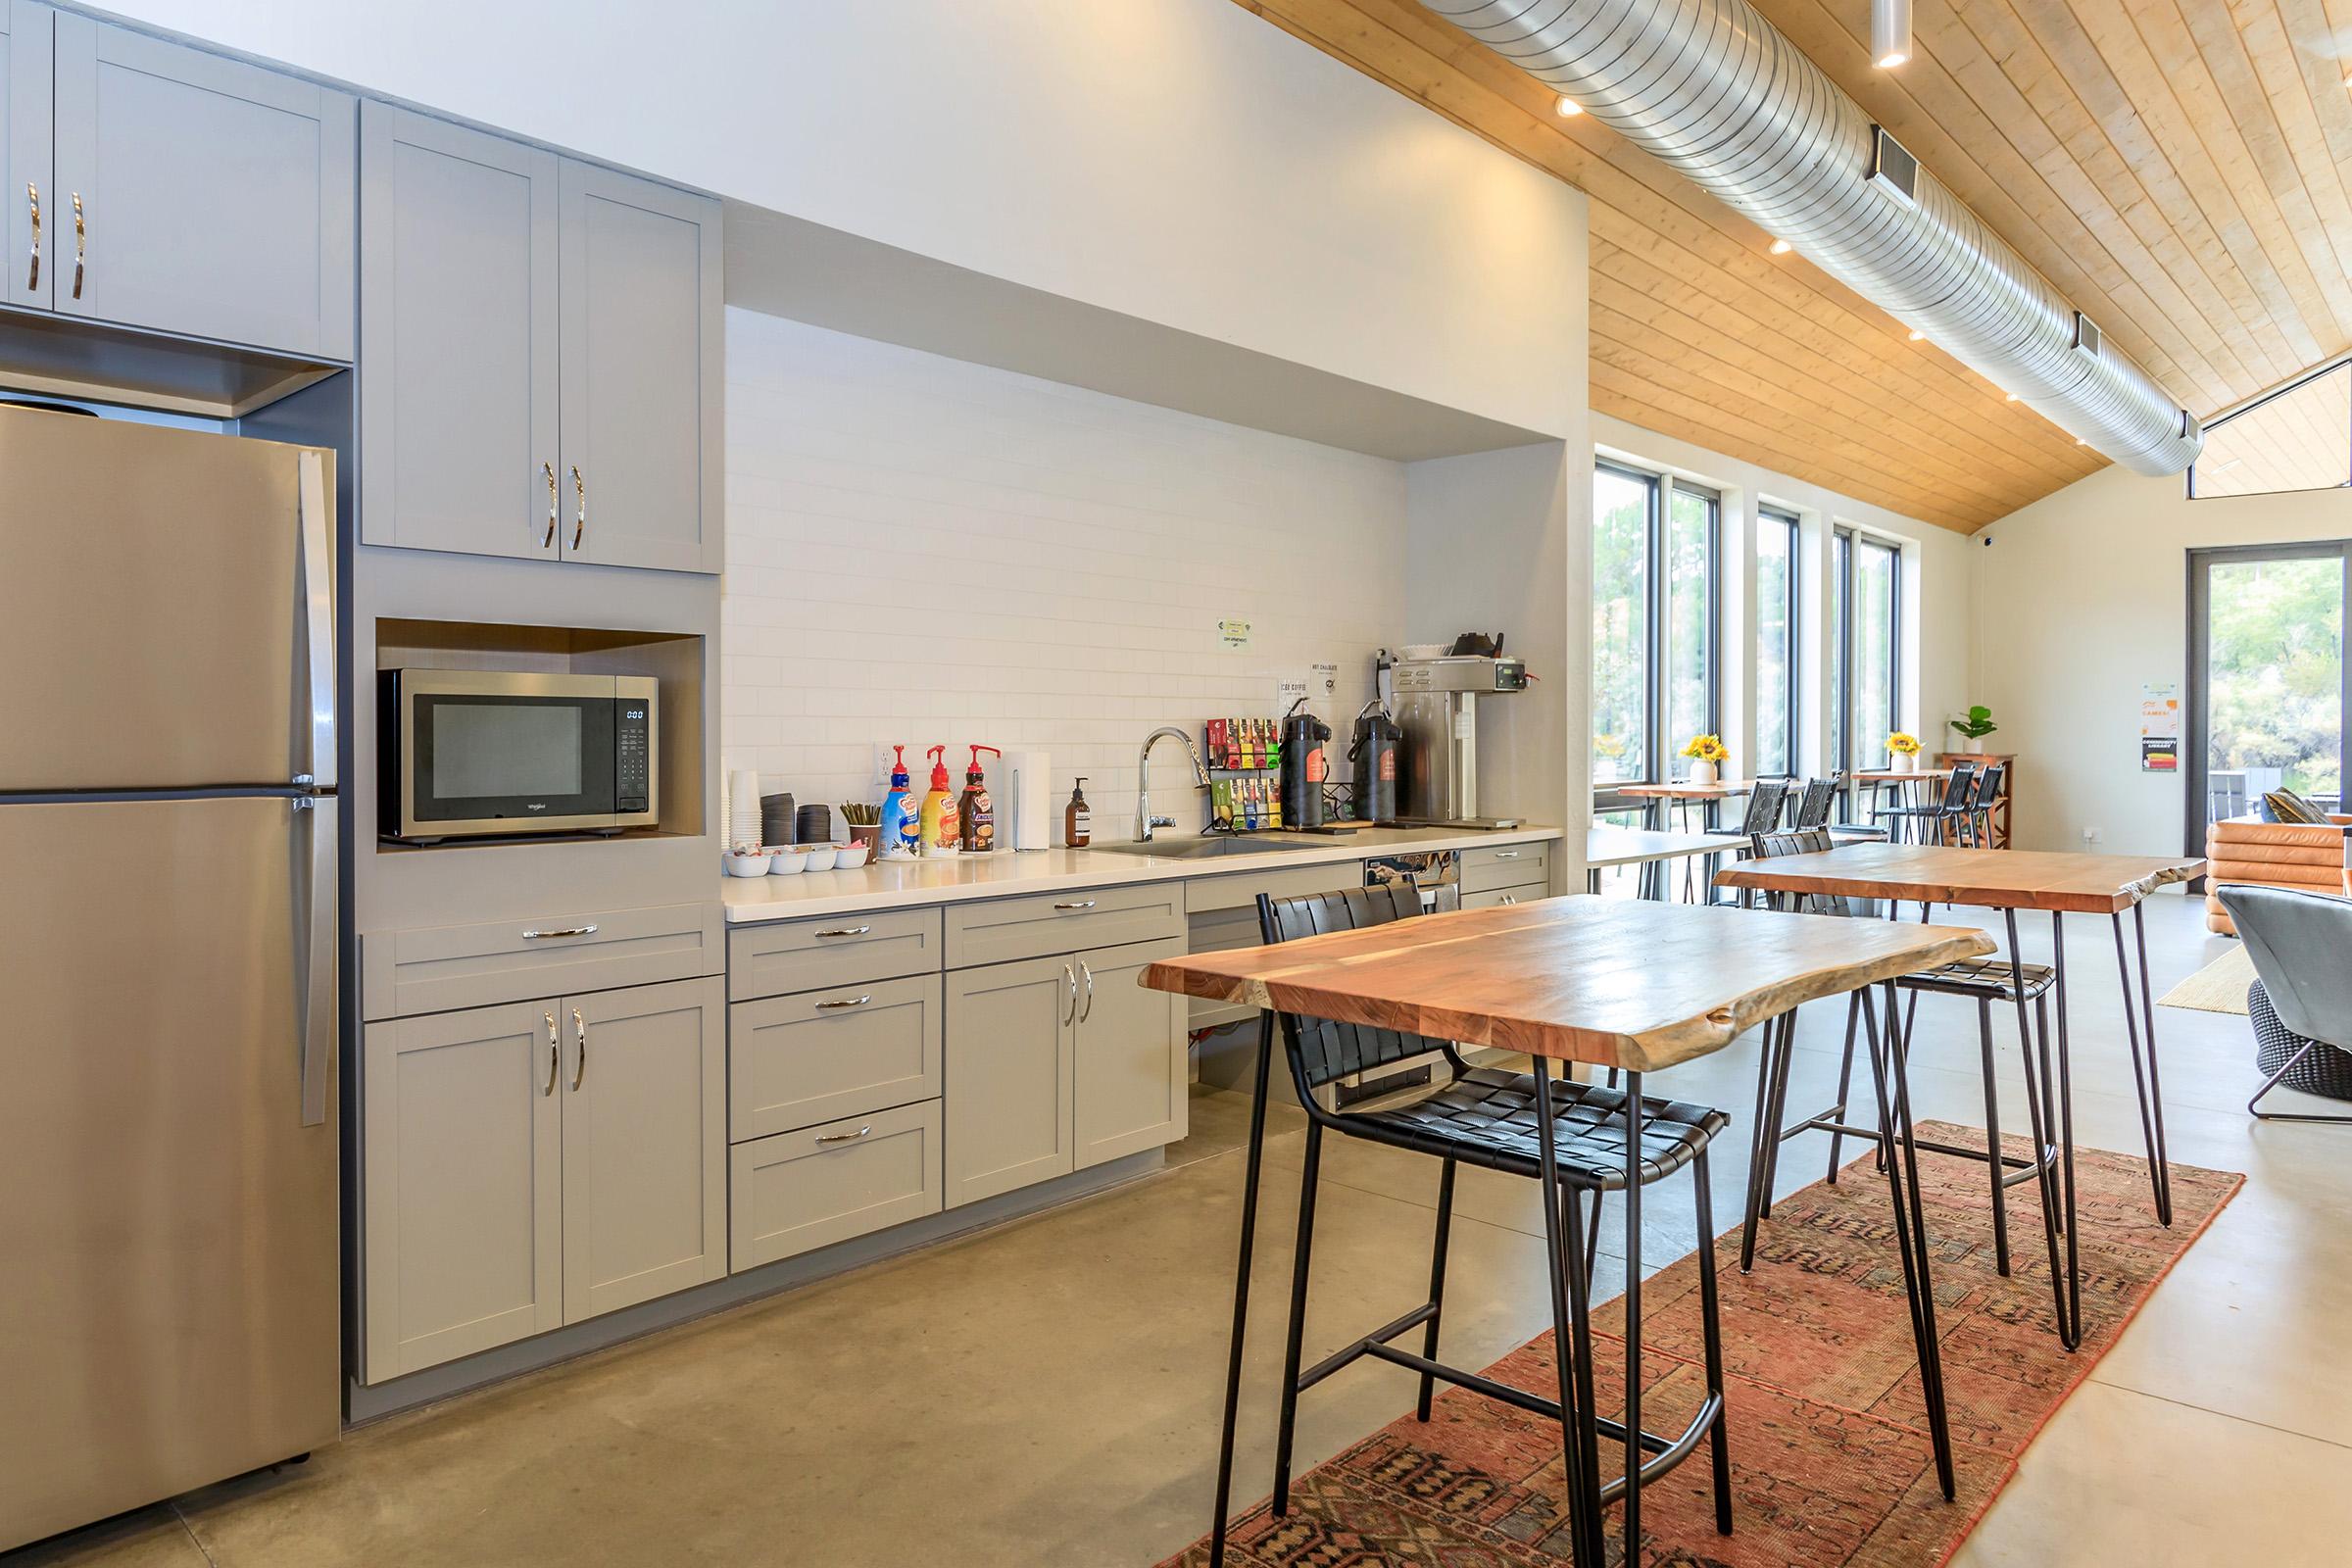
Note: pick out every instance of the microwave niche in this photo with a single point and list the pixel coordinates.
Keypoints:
(479, 753)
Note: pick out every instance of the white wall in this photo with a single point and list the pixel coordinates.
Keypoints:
(927, 550)
(1937, 612)
(1181, 160)
(2084, 595)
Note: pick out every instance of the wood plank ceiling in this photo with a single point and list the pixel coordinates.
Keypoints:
(2199, 212)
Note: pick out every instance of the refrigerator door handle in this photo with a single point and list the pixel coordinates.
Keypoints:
(318, 605)
(319, 1023)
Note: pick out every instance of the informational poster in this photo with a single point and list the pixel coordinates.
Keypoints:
(1233, 633)
(2160, 727)
(1324, 681)
(1288, 689)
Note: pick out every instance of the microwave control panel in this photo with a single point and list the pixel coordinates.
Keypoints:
(632, 756)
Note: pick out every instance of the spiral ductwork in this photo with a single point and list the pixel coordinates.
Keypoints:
(1714, 91)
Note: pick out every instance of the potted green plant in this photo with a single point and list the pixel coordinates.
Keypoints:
(1976, 726)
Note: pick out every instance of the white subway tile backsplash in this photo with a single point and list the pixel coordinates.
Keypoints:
(927, 550)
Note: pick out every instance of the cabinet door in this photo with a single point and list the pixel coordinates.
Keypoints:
(25, 34)
(1009, 1048)
(645, 1144)
(1131, 1078)
(643, 334)
(460, 1157)
(457, 338)
(216, 197)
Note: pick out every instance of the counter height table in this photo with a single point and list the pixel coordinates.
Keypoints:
(1629, 985)
(1897, 782)
(2010, 880)
(1610, 847)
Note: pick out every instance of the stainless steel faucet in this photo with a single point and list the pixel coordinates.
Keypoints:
(1145, 821)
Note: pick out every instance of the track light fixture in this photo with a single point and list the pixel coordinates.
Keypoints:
(1890, 32)
(1568, 107)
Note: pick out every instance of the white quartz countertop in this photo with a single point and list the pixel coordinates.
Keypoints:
(1008, 874)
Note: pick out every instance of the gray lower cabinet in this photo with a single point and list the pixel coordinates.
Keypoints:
(536, 1163)
(1132, 1089)
(642, 343)
(458, 338)
(1501, 897)
(799, 1191)
(1012, 1051)
(824, 1054)
(197, 194)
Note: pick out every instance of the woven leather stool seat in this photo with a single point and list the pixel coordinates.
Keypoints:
(1983, 977)
(1487, 1117)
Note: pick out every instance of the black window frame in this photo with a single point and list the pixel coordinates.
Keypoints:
(1791, 642)
(1657, 746)
(1845, 555)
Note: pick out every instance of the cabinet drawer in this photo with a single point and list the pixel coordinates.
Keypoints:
(1009, 929)
(1495, 898)
(1239, 890)
(845, 950)
(1505, 865)
(793, 1061)
(797, 1192)
(439, 968)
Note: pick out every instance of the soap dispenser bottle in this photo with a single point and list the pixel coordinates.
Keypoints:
(901, 831)
(1078, 818)
(975, 812)
(939, 806)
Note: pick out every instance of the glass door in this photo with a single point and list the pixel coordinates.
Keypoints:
(2267, 678)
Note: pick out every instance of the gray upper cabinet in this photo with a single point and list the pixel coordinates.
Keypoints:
(457, 338)
(28, 198)
(643, 334)
(215, 197)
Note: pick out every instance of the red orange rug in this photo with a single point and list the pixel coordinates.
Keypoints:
(1830, 1457)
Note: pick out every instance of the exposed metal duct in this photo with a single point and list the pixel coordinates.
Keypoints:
(1712, 90)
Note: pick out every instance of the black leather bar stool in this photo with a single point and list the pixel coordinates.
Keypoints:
(1577, 1141)
(1986, 981)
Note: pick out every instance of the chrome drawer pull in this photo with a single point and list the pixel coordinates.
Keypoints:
(579, 1026)
(853, 1001)
(555, 1053)
(846, 931)
(1071, 975)
(1082, 904)
(81, 246)
(845, 1137)
(32, 277)
(1507, 854)
(1088, 970)
(579, 526)
(549, 541)
(561, 931)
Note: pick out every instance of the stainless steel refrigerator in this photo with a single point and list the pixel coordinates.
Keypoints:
(169, 1269)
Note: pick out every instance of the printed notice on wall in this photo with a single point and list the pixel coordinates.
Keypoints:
(1324, 681)
(2160, 727)
(1233, 633)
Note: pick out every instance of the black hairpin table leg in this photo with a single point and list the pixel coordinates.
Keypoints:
(1241, 1289)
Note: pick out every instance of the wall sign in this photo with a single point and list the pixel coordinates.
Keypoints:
(1233, 633)
(2160, 727)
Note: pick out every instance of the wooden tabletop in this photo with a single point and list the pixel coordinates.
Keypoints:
(1991, 879)
(1613, 982)
(1626, 845)
(1686, 791)
(1891, 776)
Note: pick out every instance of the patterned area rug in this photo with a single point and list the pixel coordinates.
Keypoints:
(1829, 1435)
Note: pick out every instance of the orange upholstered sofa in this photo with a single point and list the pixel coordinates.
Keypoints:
(2279, 855)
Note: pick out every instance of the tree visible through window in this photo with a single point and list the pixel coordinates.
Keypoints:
(1776, 644)
(1655, 615)
(1622, 504)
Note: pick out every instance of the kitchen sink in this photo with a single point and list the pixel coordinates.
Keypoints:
(1206, 848)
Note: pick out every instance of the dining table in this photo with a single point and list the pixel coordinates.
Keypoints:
(1910, 786)
(2058, 883)
(1610, 847)
(1632, 986)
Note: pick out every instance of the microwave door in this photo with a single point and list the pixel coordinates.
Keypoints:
(505, 753)
(155, 616)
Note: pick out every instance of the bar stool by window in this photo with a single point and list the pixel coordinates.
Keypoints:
(1934, 819)
(1976, 822)
(1576, 1141)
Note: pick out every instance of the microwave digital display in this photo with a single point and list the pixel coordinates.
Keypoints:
(481, 753)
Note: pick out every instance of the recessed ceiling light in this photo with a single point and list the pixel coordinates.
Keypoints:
(1917, 336)
(2008, 396)
(1890, 32)
(1781, 247)
(1568, 107)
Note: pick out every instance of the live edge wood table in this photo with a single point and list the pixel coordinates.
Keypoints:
(2011, 880)
(1611, 983)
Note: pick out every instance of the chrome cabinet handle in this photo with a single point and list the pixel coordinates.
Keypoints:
(846, 931)
(555, 1053)
(559, 931)
(853, 1002)
(845, 1137)
(579, 526)
(1088, 970)
(579, 1026)
(1070, 976)
(80, 246)
(1507, 854)
(1082, 904)
(1510, 898)
(547, 540)
(33, 195)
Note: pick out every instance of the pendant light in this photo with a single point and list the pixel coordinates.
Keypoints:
(1890, 32)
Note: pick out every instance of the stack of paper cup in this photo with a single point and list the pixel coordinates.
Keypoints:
(743, 809)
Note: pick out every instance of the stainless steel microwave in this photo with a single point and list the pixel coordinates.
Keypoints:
(472, 754)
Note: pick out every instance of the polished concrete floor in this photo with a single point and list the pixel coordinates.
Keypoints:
(1047, 1393)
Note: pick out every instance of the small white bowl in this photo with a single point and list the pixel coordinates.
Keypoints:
(849, 856)
(820, 856)
(753, 862)
(790, 860)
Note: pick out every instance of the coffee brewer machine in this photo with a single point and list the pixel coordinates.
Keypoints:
(1435, 703)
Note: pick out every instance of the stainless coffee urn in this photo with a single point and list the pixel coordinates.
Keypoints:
(1435, 703)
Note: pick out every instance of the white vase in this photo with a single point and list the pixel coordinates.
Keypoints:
(1704, 773)
(1903, 761)
(1975, 744)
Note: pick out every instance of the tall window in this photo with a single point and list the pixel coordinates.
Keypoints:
(1656, 615)
(1776, 644)
(1866, 600)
